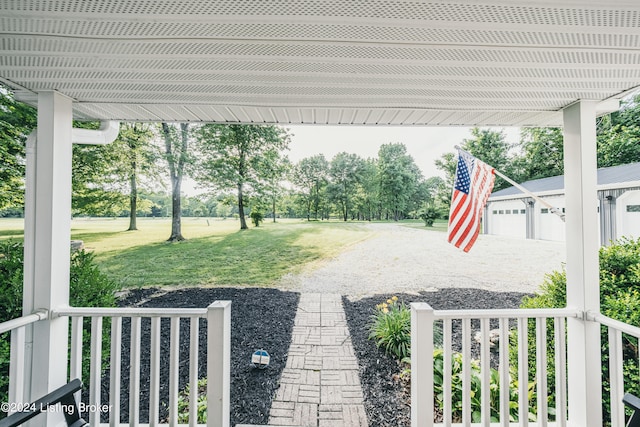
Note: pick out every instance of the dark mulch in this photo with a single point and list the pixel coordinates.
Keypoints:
(260, 319)
(385, 397)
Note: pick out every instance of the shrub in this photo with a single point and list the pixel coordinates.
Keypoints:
(391, 328)
(183, 403)
(88, 288)
(428, 215)
(476, 390)
(619, 299)
(256, 217)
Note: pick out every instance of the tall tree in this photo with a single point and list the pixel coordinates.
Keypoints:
(311, 176)
(240, 158)
(344, 173)
(17, 120)
(487, 145)
(541, 154)
(176, 153)
(136, 156)
(398, 178)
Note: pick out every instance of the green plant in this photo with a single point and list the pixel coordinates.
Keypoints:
(183, 403)
(88, 288)
(428, 215)
(619, 299)
(391, 328)
(256, 217)
(476, 390)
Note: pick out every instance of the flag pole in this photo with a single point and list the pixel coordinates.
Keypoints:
(552, 208)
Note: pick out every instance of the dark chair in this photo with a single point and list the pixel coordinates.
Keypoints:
(62, 395)
(633, 402)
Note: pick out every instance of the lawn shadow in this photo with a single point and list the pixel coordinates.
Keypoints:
(254, 257)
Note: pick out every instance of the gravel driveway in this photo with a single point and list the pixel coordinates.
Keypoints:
(404, 259)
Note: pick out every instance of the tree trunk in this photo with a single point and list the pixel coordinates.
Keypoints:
(176, 213)
(176, 159)
(274, 209)
(243, 221)
(133, 202)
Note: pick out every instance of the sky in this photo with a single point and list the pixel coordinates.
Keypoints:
(424, 144)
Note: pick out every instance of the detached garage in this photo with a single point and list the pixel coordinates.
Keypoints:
(510, 212)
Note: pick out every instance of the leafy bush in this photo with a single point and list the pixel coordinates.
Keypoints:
(391, 328)
(88, 288)
(428, 215)
(619, 299)
(476, 390)
(256, 217)
(183, 403)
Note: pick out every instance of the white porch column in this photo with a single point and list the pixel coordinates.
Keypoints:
(583, 290)
(48, 217)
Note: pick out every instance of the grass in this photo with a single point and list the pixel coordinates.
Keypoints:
(216, 253)
(438, 225)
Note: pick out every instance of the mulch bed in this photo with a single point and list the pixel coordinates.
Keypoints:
(263, 318)
(260, 319)
(386, 400)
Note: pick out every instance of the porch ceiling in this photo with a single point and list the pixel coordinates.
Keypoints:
(450, 62)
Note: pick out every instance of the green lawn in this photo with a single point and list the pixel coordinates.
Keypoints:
(216, 252)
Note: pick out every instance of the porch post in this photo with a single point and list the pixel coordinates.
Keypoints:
(48, 213)
(583, 290)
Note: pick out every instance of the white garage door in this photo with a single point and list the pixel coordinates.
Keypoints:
(628, 215)
(508, 219)
(550, 226)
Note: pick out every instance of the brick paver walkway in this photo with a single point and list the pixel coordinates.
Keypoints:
(320, 385)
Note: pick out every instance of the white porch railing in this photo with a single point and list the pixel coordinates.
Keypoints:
(495, 406)
(162, 330)
(620, 336)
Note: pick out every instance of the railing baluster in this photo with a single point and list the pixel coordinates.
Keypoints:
(115, 371)
(523, 372)
(174, 359)
(134, 375)
(17, 368)
(154, 374)
(541, 370)
(447, 333)
(193, 370)
(466, 372)
(504, 373)
(616, 376)
(76, 351)
(95, 369)
(485, 369)
(561, 371)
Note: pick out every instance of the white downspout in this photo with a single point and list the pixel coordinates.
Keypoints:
(106, 134)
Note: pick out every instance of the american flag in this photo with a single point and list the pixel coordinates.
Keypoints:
(472, 187)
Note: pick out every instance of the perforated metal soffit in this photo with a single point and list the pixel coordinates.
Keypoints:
(507, 62)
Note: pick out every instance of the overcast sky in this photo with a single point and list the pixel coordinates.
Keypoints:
(424, 144)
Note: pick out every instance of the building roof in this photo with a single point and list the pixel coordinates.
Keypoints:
(622, 174)
(386, 62)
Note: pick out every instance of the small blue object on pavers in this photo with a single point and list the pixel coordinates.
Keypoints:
(260, 359)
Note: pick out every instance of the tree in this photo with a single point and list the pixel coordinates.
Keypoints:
(134, 155)
(541, 154)
(176, 142)
(487, 145)
(367, 199)
(311, 176)
(17, 120)
(398, 178)
(344, 172)
(240, 157)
